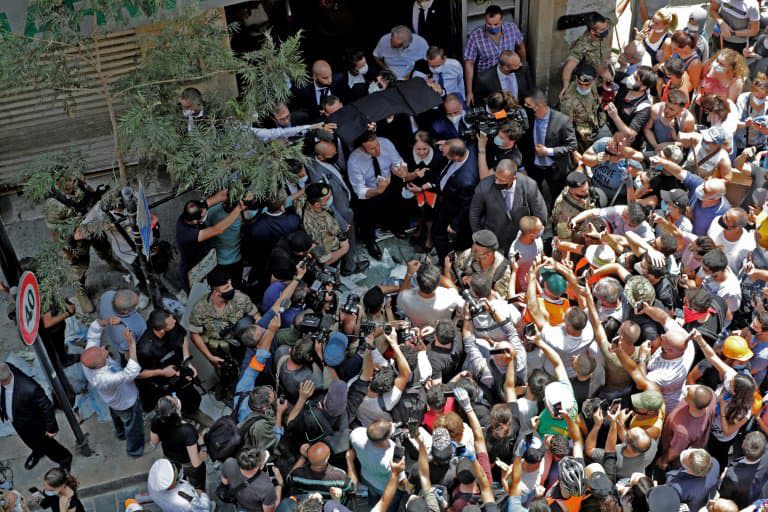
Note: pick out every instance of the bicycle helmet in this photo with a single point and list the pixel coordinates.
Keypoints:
(571, 477)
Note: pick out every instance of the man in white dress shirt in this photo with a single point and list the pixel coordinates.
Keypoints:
(399, 50)
(116, 385)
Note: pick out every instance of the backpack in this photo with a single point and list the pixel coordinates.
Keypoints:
(412, 405)
(224, 438)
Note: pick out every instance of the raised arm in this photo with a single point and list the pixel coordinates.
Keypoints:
(710, 354)
(462, 397)
(553, 357)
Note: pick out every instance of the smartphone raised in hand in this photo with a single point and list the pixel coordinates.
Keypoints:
(398, 454)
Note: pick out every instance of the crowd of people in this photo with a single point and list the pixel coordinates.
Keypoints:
(584, 329)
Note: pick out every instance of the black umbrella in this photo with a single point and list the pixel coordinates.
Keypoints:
(410, 97)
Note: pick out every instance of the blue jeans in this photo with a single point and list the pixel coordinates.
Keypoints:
(129, 425)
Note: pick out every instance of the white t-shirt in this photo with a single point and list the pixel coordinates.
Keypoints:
(670, 374)
(370, 410)
(737, 251)
(567, 345)
(422, 311)
(729, 290)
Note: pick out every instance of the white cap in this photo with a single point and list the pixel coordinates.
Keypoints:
(162, 475)
(559, 392)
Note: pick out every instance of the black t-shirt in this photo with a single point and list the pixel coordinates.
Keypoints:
(175, 439)
(52, 502)
(445, 362)
(665, 294)
(190, 249)
(496, 155)
(155, 353)
(634, 113)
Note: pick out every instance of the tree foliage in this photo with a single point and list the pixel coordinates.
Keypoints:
(184, 47)
(55, 276)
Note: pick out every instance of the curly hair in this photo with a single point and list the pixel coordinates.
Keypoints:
(735, 63)
(453, 423)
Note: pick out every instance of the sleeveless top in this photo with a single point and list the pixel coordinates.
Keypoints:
(663, 132)
(653, 48)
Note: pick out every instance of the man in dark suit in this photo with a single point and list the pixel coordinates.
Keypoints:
(326, 166)
(740, 474)
(547, 145)
(456, 184)
(24, 403)
(449, 125)
(431, 19)
(502, 199)
(307, 99)
(510, 75)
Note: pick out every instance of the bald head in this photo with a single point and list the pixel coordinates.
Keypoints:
(736, 217)
(639, 439)
(721, 505)
(455, 149)
(630, 331)
(322, 73)
(699, 396)
(674, 342)
(714, 189)
(318, 454)
(509, 61)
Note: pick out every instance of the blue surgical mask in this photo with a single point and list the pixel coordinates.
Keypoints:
(302, 181)
(664, 207)
(758, 101)
(584, 91)
(288, 202)
(497, 140)
(50, 493)
(493, 30)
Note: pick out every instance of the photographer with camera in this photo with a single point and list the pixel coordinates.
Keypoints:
(319, 223)
(482, 258)
(322, 418)
(164, 356)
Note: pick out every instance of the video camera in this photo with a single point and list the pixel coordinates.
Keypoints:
(475, 306)
(317, 327)
(323, 293)
(478, 119)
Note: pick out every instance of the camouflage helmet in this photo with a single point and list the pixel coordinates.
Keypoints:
(638, 289)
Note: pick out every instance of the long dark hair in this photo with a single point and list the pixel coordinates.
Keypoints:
(743, 397)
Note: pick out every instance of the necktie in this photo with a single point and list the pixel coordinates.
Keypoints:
(376, 166)
(440, 80)
(323, 94)
(422, 21)
(3, 412)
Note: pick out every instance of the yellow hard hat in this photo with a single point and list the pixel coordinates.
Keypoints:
(736, 347)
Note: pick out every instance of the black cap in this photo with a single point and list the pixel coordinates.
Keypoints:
(599, 484)
(576, 179)
(486, 238)
(315, 191)
(676, 196)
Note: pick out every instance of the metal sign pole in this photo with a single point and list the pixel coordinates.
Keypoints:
(12, 271)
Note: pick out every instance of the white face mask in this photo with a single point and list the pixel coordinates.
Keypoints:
(50, 493)
(363, 70)
(438, 69)
(374, 87)
(188, 113)
(456, 118)
(584, 91)
(630, 82)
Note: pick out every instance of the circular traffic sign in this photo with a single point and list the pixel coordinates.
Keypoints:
(28, 307)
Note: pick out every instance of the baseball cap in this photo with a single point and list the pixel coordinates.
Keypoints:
(336, 398)
(576, 179)
(335, 349)
(676, 196)
(714, 135)
(559, 392)
(638, 289)
(648, 399)
(636, 164)
(554, 281)
(597, 481)
(736, 347)
(162, 475)
(441, 445)
(663, 499)
(599, 255)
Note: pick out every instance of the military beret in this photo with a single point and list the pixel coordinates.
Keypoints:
(486, 238)
(315, 191)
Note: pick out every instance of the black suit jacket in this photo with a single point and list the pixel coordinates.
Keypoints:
(32, 411)
(561, 137)
(437, 31)
(454, 199)
(737, 482)
(304, 99)
(489, 210)
(488, 82)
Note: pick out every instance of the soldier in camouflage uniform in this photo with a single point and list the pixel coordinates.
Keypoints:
(592, 47)
(483, 257)
(63, 214)
(574, 199)
(213, 320)
(320, 224)
(581, 102)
